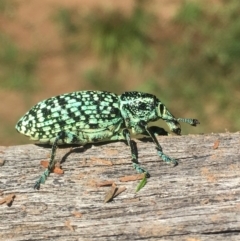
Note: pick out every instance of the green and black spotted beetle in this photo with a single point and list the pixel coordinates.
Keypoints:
(95, 116)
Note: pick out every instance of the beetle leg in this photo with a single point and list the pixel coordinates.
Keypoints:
(136, 165)
(150, 132)
(66, 138)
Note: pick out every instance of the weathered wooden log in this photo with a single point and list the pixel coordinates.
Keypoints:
(197, 200)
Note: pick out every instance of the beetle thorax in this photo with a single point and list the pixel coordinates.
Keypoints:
(136, 106)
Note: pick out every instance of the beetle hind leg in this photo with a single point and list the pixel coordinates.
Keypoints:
(62, 137)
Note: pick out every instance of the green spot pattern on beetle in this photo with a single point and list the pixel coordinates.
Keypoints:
(95, 116)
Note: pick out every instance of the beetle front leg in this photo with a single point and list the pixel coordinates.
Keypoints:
(150, 132)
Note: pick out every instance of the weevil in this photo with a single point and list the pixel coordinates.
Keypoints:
(84, 117)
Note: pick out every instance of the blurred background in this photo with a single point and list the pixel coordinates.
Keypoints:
(185, 52)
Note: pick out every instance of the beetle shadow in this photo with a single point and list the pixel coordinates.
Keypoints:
(75, 148)
(145, 138)
(80, 149)
(156, 130)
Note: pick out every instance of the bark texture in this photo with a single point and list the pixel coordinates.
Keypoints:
(197, 200)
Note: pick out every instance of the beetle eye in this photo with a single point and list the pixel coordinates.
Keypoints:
(161, 108)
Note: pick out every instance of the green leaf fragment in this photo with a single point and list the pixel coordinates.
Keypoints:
(142, 183)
